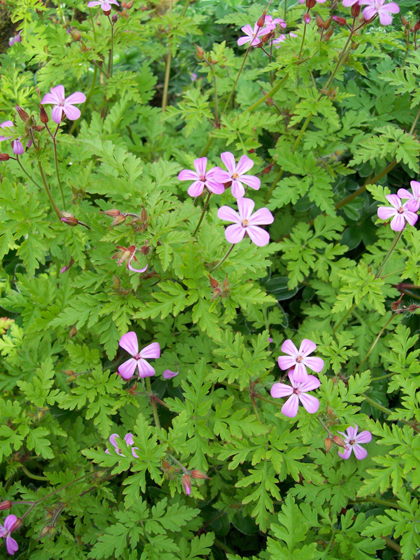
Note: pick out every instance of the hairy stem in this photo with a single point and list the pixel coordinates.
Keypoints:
(30, 475)
(202, 214)
(111, 50)
(397, 237)
(185, 7)
(153, 402)
(26, 173)
(166, 85)
(93, 24)
(47, 190)
(223, 260)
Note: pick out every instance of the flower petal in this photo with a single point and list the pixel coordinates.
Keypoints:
(404, 193)
(229, 215)
(76, 97)
(310, 384)
(394, 200)
(238, 190)
(245, 207)
(72, 112)
(415, 187)
(130, 343)
(59, 92)
(262, 217)
(409, 216)
(364, 437)
(151, 351)
(17, 147)
(113, 442)
(200, 165)
(93, 3)
(251, 181)
(221, 176)
(307, 347)
(315, 364)
(10, 521)
(127, 369)
(258, 235)
(243, 40)
(168, 374)
(359, 451)
(196, 188)
(291, 406)
(234, 233)
(50, 98)
(310, 403)
(386, 212)
(229, 161)
(145, 369)
(289, 348)
(392, 7)
(11, 545)
(300, 374)
(368, 13)
(346, 453)
(135, 269)
(386, 19)
(244, 165)
(279, 390)
(398, 222)
(106, 7)
(215, 187)
(188, 175)
(286, 362)
(129, 439)
(57, 114)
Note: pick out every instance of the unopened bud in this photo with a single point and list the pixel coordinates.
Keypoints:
(75, 33)
(395, 305)
(328, 444)
(417, 26)
(199, 52)
(22, 114)
(114, 18)
(310, 4)
(199, 475)
(405, 22)
(269, 101)
(43, 115)
(4, 157)
(355, 10)
(73, 332)
(319, 21)
(354, 46)
(306, 18)
(118, 220)
(66, 267)
(68, 372)
(339, 441)
(16, 525)
(69, 219)
(46, 531)
(130, 4)
(328, 34)
(39, 127)
(7, 504)
(143, 214)
(111, 213)
(116, 281)
(327, 23)
(145, 249)
(225, 283)
(213, 283)
(412, 308)
(123, 4)
(186, 483)
(261, 19)
(341, 21)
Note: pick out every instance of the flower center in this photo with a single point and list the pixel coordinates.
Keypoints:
(235, 176)
(202, 178)
(400, 210)
(296, 391)
(137, 357)
(352, 441)
(299, 359)
(244, 223)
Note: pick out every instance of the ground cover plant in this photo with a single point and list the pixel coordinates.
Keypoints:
(210, 280)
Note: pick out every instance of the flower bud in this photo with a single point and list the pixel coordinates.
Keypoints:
(405, 22)
(22, 114)
(186, 483)
(226, 283)
(328, 444)
(355, 10)
(339, 441)
(43, 115)
(327, 23)
(118, 220)
(269, 101)
(107, 12)
(213, 283)
(328, 34)
(395, 305)
(66, 267)
(130, 4)
(329, 410)
(16, 525)
(73, 332)
(417, 26)
(75, 33)
(4, 157)
(69, 219)
(123, 4)
(114, 18)
(310, 4)
(412, 308)
(319, 21)
(261, 19)
(145, 249)
(39, 127)
(199, 52)
(306, 18)
(341, 21)
(143, 214)
(199, 475)
(111, 213)
(7, 504)
(68, 372)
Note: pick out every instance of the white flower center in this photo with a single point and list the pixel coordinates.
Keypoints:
(299, 359)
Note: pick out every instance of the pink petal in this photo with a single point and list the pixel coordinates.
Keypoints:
(77, 97)
(238, 190)
(135, 269)
(352, 432)
(286, 362)
(368, 13)
(315, 364)
(359, 451)
(262, 217)
(394, 200)
(11, 545)
(151, 351)
(129, 439)
(196, 189)
(258, 235)
(234, 233)
(133, 452)
(200, 165)
(57, 113)
(279, 390)
(93, 3)
(72, 112)
(229, 161)
(349, 3)
(168, 374)
(243, 40)
(187, 175)
(411, 218)
(245, 207)
(415, 187)
(215, 187)
(412, 205)
(127, 369)
(291, 406)
(306, 347)
(391, 7)
(145, 369)
(251, 181)
(364, 437)
(398, 222)
(310, 403)
(10, 521)
(113, 441)
(3, 532)
(346, 453)
(300, 374)
(244, 165)
(289, 348)
(50, 98)
(58, 92)
(221, 176)
(106, 7)
(130, 343)
(404, 193)
(386, 212)
(248, 30)
(310, 384)
(229, 215)
(17, 147)
(386, 19)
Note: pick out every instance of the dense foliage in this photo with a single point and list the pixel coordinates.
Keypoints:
(102, 234)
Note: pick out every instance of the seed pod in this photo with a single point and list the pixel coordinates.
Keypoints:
(118, 220)
(213, 283)
(186, 483)
(261, 19)
(68, 372)
(143, 214)
(130, 4)
(73, 332)
(39, 127)
(405, 22)
(328, 34)
(328, 444)
(199, 475)
(43, 115)
(111, 213)
(412, 308)
(339, 441)
(341, 21)
(199, 52)
(329, 410)
(327, 23)
(22, 114)
(107, 12)
(310, 4)
(4, 157)
(145, 249)
(417, 26)
(7, 504)
(319, 21)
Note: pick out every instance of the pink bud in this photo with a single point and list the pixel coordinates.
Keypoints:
(186, 483)
(7, 504)
(306, 18)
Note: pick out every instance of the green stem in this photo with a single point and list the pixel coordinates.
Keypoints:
(26, 173)
(389, 412)
(93, 24)
(111, 52)
(269, 94)
(223, 546)
(56, 210)
(167, 76)
(223, 260)
(54, 139)
(303, 40)
(285, 9)
(375, 343)
(382, 377)
(153, 403)
(301, 133)
(202, 214)
(96, 65)
(30, 475)
(207, 146)
(397, 237)
(89, 95)
(185, 7)
(238, 76)
(326, 551)
(387, 503)
(392, 544)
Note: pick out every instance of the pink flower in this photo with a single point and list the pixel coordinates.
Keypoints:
(17, 146)
(202, 178)
(130, 343)
(236, 174)
(16, 39)
(273, 23)
(244, 222)
(67, 266)
(63, 104)
(6, 531)
(282, 38)
(349, 3)
(128, 440)
(168, 374)
(352, 441)
(128, 254)
(400, 213)
(186, 483)
(104, 4)
(414, 196)
(379, 7)
(297, 392)
(307, 18)
(252, 35)
(299, 359)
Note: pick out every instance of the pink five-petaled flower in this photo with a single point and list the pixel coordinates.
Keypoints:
(105, 4)
(297, 392)
(379, 7)
(16, 39)
(236, 174)
(128, 440)
(352, 441)
(17, 146)
(130, 343)
(253, 35)
(128, 254)
(202, 178)
(399, 212)
(63, 104)
(299, 359)
(414, 196)
(244, 222)
(6, 532)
